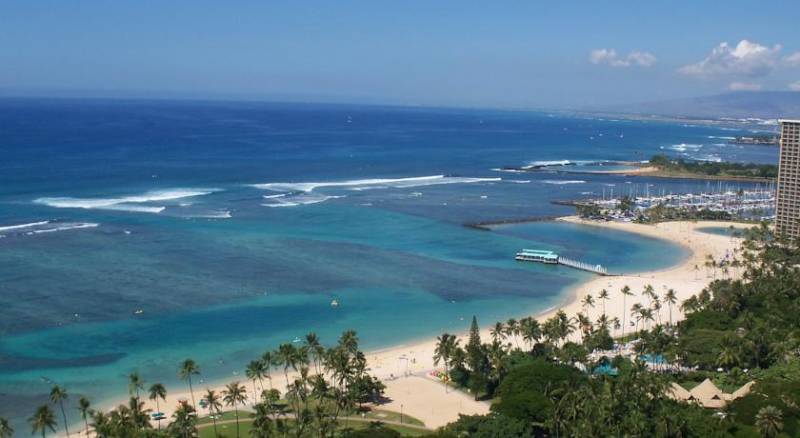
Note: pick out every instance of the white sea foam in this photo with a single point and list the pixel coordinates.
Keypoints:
(44, 227)
(708, 157)
(66, 226)
(519, 181)
(374, 183)
(722, 137)
(274, 196)
(126, 203)
(549, 163)
(497, 169)
(21, 226)
(563, 181)
(304, 199)
(683, 147)
(221, 214)
(560, 163)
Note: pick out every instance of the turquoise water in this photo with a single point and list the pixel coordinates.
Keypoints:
(418, 278)
(232, 226)
(723, 231)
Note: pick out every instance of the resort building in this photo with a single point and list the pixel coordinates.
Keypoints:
(787, 219)
(707, 395)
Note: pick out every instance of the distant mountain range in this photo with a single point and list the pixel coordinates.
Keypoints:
(738, 105)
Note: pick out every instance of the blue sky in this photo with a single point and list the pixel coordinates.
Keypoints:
(492, 54)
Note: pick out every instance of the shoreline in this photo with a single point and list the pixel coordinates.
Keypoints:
(638, 168)
(404, 368)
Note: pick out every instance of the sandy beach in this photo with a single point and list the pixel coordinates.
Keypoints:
(405, 369)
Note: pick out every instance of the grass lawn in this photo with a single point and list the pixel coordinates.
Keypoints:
(228, 430)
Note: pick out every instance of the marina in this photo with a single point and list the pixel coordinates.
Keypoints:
(756, 202)
(551, 258)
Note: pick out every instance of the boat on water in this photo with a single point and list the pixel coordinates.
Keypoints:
(297, 340)
(537, 255)
(334, 303)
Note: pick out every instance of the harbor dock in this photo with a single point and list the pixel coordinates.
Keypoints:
(551, 258)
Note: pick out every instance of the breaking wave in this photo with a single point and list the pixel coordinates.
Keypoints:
(22, 226)
(294, 201)
(218, 214)
(563, 181)
(43, 227)
(562, 163)
(132, 203)
(683, 147)
(369, 184)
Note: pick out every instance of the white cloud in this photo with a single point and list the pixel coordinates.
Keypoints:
(744, 86)
(793, 59)
(610, 57)
(795, 86)
(747, 59)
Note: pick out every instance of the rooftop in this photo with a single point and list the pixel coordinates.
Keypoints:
(539, 252)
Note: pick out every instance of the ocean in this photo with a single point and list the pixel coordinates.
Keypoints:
(135, 234)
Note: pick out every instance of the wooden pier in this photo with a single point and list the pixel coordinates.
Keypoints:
(549, 257)
(597, 269)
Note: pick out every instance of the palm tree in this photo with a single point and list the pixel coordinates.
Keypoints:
(58, 395)
(158, 392)
(564, 325)
(213, 405)
(42, 420)
(6, 431)
(626, 291)
(445, 347)
(671, 299)
(588, 301)
(512, 330)
(232, 395)
(262, 421)
(617, 324)
(314, 348)
(287, 356)
(349, 341)
(647, 315)
(636, 313)
(135, 383)
(531, 331)
(254, 371)
(268, 359)
(603, 295)
(769, 421)
(729, 356)
(188, 369)
(648, 292)
(84, 407)
(584, 324)
(184, 422)
(498, 332)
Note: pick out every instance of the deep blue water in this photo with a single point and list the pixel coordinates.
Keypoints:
(202, 215)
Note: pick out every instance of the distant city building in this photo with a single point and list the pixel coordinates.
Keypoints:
(788, 201)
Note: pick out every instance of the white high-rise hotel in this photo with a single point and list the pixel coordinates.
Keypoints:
(788, 204)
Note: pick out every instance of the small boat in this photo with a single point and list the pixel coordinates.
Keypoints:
(334, 303)
(138, 312)
(297, 340)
